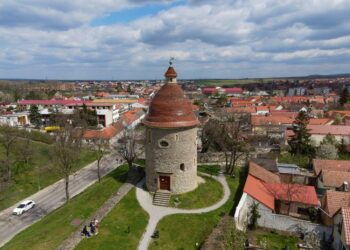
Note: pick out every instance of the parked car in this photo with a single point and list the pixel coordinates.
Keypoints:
(23, 207)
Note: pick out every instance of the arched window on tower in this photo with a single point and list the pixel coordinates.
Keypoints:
(182, 166)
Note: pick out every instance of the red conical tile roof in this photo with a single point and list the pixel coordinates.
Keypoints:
(170, 72)
(170, 108)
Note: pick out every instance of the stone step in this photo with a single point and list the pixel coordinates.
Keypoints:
(161, 198)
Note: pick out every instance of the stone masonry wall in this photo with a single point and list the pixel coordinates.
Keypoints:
(182, 149)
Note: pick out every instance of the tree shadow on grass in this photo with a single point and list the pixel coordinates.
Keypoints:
(243, 172)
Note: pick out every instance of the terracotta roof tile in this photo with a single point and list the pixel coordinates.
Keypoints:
(256, 189)
(170, 72)
(267, 193)
(335, 165)
(334, 178)
(105, 133)
(329, 129)
(334, 200)
(248, 109)
(274, 120)
(263, 174)
(170, 108)
(262, 108)
(346, 222)
(294, 192)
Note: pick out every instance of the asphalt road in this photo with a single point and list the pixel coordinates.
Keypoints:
(52, 197)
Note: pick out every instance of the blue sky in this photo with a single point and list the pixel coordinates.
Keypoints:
(133, 13)
(134, 39)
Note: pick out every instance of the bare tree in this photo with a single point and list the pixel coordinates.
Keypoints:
(226, 135)
(128, 147)
(285, 193)
(101, 148)
(66, 151)
(8, 139)
(24, 149)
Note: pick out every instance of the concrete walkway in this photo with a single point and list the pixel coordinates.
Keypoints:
(51, 198)
(156, 213)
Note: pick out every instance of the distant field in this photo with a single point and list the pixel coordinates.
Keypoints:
(222, 82)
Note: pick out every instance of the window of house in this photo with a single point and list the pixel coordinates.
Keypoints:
(182, 167)
(303, 211)
(163, 143)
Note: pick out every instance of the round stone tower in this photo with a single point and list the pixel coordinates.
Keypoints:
(171, 140)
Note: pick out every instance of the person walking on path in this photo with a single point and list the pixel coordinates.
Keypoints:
(85, 232)
(96, 225)
(92, 227)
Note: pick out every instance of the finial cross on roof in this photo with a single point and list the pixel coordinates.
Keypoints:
(172, 59)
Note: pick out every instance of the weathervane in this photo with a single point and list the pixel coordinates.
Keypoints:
(172, 59)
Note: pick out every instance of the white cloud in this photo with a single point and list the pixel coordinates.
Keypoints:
(242, 38)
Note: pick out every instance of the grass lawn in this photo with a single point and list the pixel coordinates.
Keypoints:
(300, 160)
(49, 232)
(37, 174)
(205, 195)
(113, 232)
(344, 156)
(273, 240)
(183, 231)
(209, 169)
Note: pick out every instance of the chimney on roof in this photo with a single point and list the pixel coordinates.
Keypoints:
(346, 186)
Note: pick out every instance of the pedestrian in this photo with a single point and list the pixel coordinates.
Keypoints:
(92, 227)
(97, 225)
(85, 232)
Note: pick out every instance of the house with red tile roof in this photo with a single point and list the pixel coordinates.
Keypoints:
(341, 229)
(330, 165)
(282, 198)
(318, 132)
(262, 174)
(109, 134)
(265, 188)
(133, 117)
(331, 203)
(334, 180)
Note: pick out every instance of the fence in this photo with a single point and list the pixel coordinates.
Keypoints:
(290, 224)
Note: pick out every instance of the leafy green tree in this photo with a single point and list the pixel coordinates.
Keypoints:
(329, 139)
(254, 215)
(338, 119)
(16, 94)
(300, 143)
(34, 116)
(89, 116)
(344, 96)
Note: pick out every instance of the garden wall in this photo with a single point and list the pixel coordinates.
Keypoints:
(290, 224)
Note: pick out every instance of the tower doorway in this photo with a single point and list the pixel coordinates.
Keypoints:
(164, 182)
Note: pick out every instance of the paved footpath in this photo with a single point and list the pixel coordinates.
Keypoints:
(74, 239)
(156, 213)
(52, 197)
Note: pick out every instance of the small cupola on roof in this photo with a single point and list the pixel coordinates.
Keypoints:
(170, 75)
(170, 108)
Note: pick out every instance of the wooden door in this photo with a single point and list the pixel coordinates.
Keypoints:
(164, 182)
